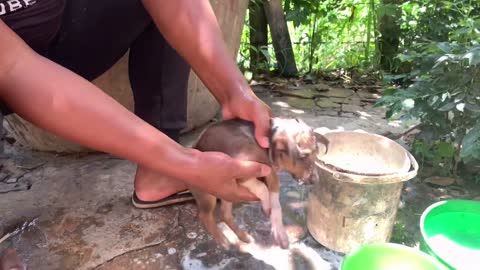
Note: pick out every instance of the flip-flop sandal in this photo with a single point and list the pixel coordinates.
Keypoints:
(180, 197)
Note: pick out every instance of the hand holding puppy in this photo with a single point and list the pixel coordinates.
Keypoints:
(217, 173)
(246, 106)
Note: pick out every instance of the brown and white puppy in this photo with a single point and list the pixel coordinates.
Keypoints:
(294, 147)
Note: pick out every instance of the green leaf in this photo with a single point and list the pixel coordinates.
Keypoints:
(447, 107)
(433, 100)
(445, 96)
(441, 60)
(471, 144)
(472, 107)
(445, 149)
(389, 91)
(445, 47)
(473, 57)
(248, 75)
(408, 104)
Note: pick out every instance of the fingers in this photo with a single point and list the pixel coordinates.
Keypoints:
(261, 120)
(245, 195)
(226, 113)
(249, 169)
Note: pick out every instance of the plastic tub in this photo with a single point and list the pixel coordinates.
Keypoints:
(451, 233)
(389, 256)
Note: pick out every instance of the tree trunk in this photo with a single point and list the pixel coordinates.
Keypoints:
(280, 37)
(258, 37)
(389, 28)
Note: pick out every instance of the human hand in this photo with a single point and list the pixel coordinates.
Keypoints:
(217, 173)
(247, 106)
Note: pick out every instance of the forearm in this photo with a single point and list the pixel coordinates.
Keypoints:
(190, 26)
(57, 100)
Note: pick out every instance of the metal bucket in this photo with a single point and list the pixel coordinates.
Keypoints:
(356, 199)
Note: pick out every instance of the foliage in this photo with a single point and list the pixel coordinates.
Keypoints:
(325, 34)
(442, 88)
(435, 77)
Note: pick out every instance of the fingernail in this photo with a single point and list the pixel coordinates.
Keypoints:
(265, 142)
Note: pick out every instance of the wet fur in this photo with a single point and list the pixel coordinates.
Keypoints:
(236, 138)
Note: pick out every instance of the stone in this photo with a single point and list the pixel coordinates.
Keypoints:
(11, 180)
(339, 92)
(347, 114)
(440, 181)
(328, 113)
(351, 108)
(338, 100)
(300, 103)
(306, 93)
(321, 87)
(13, 187)
(353, 100)
(3, 176)
(370, 96)
(326, 103)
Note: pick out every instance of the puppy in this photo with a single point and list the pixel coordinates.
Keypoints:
(294, 147)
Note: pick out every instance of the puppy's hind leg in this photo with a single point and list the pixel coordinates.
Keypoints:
(206, 212)
(226, 210)
(259, 189)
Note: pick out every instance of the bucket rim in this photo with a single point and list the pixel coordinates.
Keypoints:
(370, 178)
(373, 179)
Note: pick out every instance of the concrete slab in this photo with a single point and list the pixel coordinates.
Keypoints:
(85, 221)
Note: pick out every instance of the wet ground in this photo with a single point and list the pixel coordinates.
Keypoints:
(83, 219)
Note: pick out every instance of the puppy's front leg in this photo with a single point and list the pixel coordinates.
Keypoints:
(276, 217)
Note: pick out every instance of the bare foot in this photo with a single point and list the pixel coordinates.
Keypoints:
(151, 186)
(10, 261)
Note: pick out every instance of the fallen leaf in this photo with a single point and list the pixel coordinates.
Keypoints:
(440, 180)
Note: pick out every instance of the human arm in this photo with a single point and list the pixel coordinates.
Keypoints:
(65, 104)
(191, 27)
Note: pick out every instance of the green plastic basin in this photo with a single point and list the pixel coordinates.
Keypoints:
(451, 233)
(389, 256)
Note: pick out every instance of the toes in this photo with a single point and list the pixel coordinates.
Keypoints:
(225, 245)
(244, 237)
(222, 241)
(281, 238)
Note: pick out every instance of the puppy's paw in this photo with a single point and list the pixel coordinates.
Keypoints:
(280, 236)
(244, 236)
(224, 243)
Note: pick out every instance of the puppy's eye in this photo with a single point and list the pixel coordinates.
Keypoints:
(304, 156)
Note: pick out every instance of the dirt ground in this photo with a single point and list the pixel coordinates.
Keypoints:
(81, 216)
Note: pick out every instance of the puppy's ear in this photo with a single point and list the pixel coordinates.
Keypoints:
(293, 150)
(322, 142)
